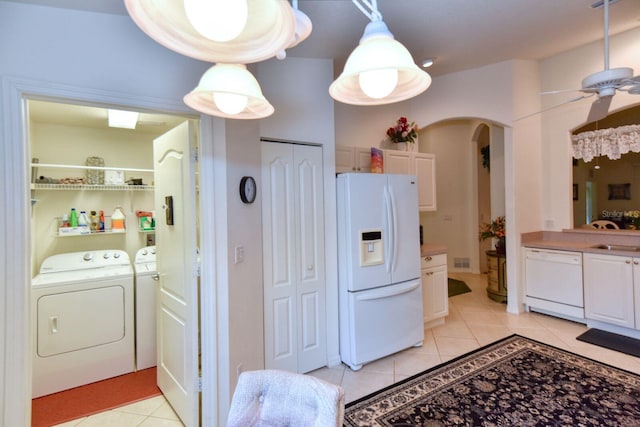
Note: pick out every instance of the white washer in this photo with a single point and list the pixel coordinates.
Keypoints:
(82, 320)
(146, 289)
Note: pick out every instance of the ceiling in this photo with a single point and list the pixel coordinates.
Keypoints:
(461, 34)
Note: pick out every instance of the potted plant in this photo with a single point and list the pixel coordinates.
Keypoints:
(403, 131)
(495, 229)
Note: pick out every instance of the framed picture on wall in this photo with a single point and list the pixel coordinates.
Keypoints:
(575, 191)
(619, 191)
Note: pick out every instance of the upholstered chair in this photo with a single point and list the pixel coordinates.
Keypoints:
(279, 398)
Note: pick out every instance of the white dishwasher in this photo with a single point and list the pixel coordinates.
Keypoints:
(553, 281)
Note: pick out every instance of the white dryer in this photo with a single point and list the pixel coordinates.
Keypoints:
(146, 289)
(82, 320)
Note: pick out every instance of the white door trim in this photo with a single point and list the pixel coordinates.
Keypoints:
(15, 382)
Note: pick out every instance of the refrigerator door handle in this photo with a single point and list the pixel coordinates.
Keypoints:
(390, 235)
(387, 292)
(394, 228)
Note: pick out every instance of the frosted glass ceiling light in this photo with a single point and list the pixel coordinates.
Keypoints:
(380, 70)
(229, 91)
(270, 27)
(217, 20)
(378, 83)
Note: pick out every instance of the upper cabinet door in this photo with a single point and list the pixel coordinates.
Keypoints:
(425, 171)
(345, 159)
(353, 159)
(398, 162)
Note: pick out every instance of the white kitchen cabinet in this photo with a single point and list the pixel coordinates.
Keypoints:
(395, 161)
(608, 288)
(423, 166)
(425, 171)
(353, 159)
(435, 298)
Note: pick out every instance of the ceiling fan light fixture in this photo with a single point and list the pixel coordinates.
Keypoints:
(229, 91)
(270, 27)
(635, 89)
(379, 53)
(608, 78)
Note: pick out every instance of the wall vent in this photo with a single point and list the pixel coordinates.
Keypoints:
(461, 262)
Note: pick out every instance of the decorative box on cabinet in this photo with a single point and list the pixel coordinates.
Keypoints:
(423, 166)
(353, 159)
(435, 298)
(497, 279)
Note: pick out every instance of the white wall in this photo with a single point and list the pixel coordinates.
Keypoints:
(496, 94)
(74, 54)
(298, 88)
(71, 145)
(451, 142)
(565, 71)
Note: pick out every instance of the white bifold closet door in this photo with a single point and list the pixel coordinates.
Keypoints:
(293, 260)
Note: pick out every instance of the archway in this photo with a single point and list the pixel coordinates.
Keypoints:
(455, 143)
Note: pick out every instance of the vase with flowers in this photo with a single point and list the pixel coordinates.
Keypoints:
(403, 132)
(495, 229)
(632, 219)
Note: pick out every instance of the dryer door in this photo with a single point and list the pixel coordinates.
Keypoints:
(78, 320)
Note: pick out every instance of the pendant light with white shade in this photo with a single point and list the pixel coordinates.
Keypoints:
(268, 28)
(217, 20)
(380, 70)
(229, 91)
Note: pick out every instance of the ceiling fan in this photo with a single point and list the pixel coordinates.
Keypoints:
(603, 83)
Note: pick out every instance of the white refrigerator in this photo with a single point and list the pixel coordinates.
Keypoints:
(380, 291)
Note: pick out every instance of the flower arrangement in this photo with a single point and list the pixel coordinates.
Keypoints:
(632, 214)
(403, 131)
(632, 218)
(495, 229)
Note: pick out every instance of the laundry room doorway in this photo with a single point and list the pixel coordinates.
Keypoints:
(64, 138)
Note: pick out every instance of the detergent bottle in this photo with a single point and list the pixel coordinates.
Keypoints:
(117, 220)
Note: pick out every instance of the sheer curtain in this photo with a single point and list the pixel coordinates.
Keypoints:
(612, 142)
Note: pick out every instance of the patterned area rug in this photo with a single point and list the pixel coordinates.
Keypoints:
(513, 382)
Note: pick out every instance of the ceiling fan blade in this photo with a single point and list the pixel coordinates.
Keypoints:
(555, 106)
(599, 108)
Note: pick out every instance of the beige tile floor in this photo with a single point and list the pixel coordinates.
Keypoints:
(473, 321)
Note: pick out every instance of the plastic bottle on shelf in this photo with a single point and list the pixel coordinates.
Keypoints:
(64, 223)
(73, 218)
(117, 221)
(101, 221)
(83, 220)
(95, 223)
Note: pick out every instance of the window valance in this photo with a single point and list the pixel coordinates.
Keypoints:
(612, 142)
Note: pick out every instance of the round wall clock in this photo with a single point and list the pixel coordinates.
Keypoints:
(248, 189)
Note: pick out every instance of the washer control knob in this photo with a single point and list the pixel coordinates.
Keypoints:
(88, 256)
(144, 252)
(116, 255)
(106, 255)
(153, 251)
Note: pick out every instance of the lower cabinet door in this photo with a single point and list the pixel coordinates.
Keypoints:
(435, 299)
(608, 289)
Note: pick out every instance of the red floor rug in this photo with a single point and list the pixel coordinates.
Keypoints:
(92, 398)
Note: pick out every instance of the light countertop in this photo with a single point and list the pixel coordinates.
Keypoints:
(430, 249)
(584, 241)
